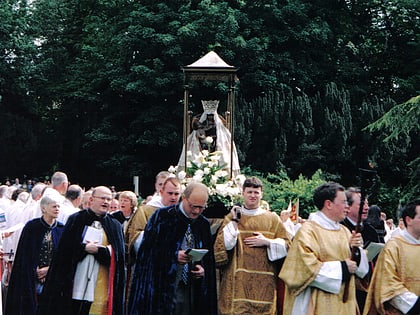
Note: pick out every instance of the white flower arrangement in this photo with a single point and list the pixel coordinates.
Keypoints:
(207, 168)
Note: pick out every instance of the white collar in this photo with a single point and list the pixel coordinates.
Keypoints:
(252, 212)
(410, 238)
(324, 221)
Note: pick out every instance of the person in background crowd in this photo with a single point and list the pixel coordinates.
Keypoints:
(160, 179)
(87, 273)
(29, 185)
(318, 264)
(374, 219)
(33, 202)
(166, 280)
(368, 231)
(389, 227)
(114, 206)
(71, 203)
(401, 227)
(4, 200)
(17, 184)
(170, 193)
(59, 184)
(127, 201)
(37, 243)
(248, 248)
(86, 200)
(395, 285)
(287, 222)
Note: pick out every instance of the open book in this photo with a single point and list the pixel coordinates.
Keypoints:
(197, 253)
(373, 250)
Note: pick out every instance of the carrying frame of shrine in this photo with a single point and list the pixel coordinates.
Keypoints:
(211, 68)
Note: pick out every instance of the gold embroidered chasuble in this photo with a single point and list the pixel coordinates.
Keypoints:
(248, 279)
(396, 272)
(312, 246)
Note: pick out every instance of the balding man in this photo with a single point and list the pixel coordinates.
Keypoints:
(87, 273)
(166, 280)
(71, 203)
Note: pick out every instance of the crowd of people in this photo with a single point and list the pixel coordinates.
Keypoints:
(66, 251)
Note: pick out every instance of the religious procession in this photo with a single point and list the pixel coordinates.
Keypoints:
(68, 250)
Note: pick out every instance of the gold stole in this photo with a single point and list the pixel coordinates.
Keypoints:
(100, 301)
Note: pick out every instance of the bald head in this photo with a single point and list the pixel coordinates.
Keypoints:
(100, 200)
(194, 199)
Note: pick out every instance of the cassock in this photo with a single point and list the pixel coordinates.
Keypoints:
(248, 277)
(368, 232)
(56, 297)
(396, 276)
(312, 270)
(155, 276)
(21, 296)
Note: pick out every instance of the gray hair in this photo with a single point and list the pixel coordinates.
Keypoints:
(58, 178)
(47, 200)
(37, 190)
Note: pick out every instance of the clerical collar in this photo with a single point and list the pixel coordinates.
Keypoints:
(183, 212)
(410, 238)
(354, 223)
(95, 214)
(252, 212)
(324, 221)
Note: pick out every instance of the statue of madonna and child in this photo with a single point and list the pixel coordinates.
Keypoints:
(209, 132)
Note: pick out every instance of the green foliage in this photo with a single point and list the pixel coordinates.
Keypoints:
(399, 131)
(399, 120)
(279, 189)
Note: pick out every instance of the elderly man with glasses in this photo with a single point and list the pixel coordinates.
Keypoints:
(167, 278)
(87, 273)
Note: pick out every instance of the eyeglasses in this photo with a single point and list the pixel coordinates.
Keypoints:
(103, 198)
(196, 206)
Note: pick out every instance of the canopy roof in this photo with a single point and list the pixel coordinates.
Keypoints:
(210, 67)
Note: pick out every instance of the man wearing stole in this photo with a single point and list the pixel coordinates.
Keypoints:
(87, 273)
(395, 285)
(318, 264)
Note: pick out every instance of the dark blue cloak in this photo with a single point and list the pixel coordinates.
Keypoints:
(154, 278)
(56, 297)
(21, 296)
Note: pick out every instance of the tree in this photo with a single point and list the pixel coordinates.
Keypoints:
(399, 128)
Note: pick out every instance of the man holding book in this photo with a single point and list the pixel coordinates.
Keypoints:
(87, 272)
(166, 279)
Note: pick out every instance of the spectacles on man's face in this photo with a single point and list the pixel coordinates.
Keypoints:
(198, 207)
(109, 199)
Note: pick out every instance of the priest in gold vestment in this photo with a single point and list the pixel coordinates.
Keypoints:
(248, 249)
(395, 285)
(318, 262)
(170, 193)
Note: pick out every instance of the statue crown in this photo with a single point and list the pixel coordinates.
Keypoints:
(210, 106)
